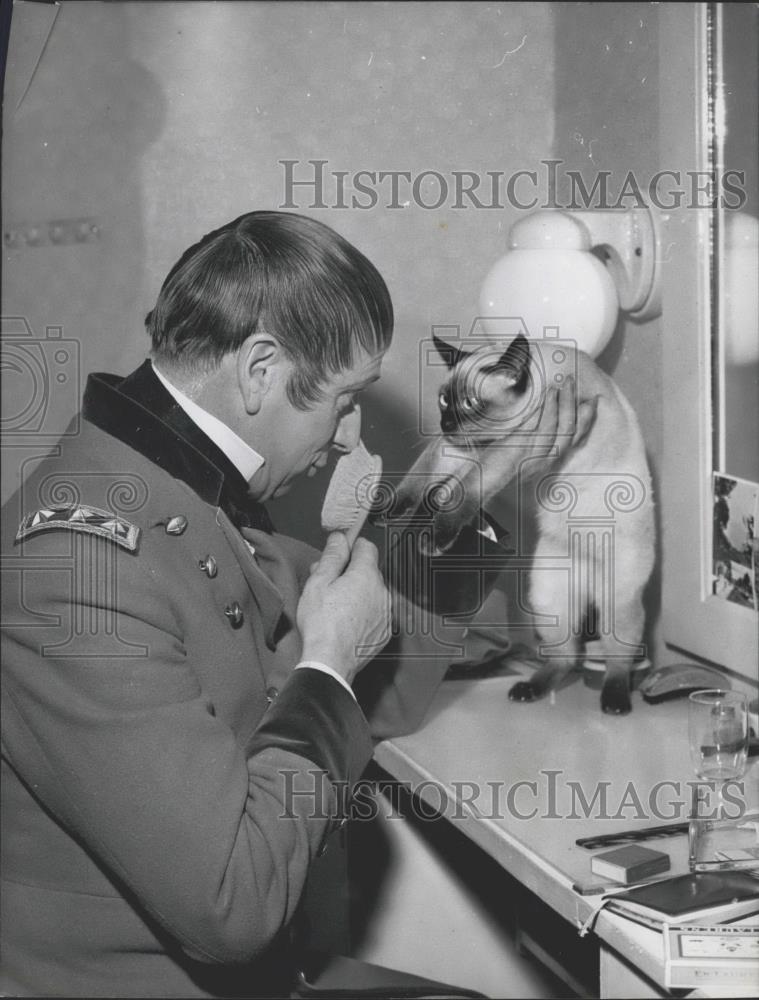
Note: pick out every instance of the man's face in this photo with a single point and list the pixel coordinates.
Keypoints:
(300, 440)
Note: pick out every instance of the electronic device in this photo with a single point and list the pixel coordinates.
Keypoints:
(678, 680)
(721, 956)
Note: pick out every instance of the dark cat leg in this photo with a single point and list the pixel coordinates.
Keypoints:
(620, 650)
(546, 678)
(615, 694)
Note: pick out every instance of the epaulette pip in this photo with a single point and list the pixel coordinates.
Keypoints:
(79, 517)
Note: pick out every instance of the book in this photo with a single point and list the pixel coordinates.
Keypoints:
(700, 897)
(629, 864)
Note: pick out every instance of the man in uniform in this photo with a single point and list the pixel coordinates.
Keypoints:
(180, 733)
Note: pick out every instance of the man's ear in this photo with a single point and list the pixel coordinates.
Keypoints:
(258, 362)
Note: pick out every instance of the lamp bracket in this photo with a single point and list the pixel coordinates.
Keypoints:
(629, 242)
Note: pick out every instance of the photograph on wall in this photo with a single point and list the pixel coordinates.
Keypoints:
(735, 547)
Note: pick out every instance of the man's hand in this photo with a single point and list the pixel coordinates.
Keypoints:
(563, 424)
(344, 606)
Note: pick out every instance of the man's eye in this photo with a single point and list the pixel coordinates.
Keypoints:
(443, 401)
(348, 407)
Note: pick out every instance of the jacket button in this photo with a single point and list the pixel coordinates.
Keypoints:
(234, 614)
(272, 694)
(209, 567)
(176, 525)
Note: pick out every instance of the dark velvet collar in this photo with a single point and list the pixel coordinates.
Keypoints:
(140, 412)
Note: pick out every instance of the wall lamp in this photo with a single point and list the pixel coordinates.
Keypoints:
(740, 288)
(574, 272)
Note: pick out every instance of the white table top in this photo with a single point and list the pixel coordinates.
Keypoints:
(475, 746)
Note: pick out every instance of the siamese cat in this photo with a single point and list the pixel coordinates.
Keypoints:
(594, 508)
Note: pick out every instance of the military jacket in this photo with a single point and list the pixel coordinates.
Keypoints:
(167, 777)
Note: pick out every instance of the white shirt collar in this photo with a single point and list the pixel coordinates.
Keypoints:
(240, 454)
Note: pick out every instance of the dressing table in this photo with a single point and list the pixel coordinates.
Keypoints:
(523, 782)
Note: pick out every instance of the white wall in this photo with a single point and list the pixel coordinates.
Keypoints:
(165, 120)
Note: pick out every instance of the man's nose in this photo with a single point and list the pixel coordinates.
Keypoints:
(348, 432)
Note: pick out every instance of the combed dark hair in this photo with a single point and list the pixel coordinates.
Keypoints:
(286, 274)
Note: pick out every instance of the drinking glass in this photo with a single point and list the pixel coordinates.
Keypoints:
(718, 732)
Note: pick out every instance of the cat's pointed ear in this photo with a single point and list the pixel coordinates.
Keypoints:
(450, 355)
(515, 359)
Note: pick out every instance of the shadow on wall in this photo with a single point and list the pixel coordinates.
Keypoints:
(79, 114)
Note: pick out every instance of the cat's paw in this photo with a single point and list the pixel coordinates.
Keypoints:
(616, 701)
(525, 691)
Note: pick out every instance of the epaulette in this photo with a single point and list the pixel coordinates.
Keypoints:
(78, 517)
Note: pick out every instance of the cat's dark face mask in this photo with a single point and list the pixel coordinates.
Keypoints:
(486, 394)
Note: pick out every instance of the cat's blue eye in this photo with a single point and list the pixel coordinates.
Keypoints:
(469, 403)
(443, 401)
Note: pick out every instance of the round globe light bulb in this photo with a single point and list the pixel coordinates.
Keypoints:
(741, 289)
(550, 279)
